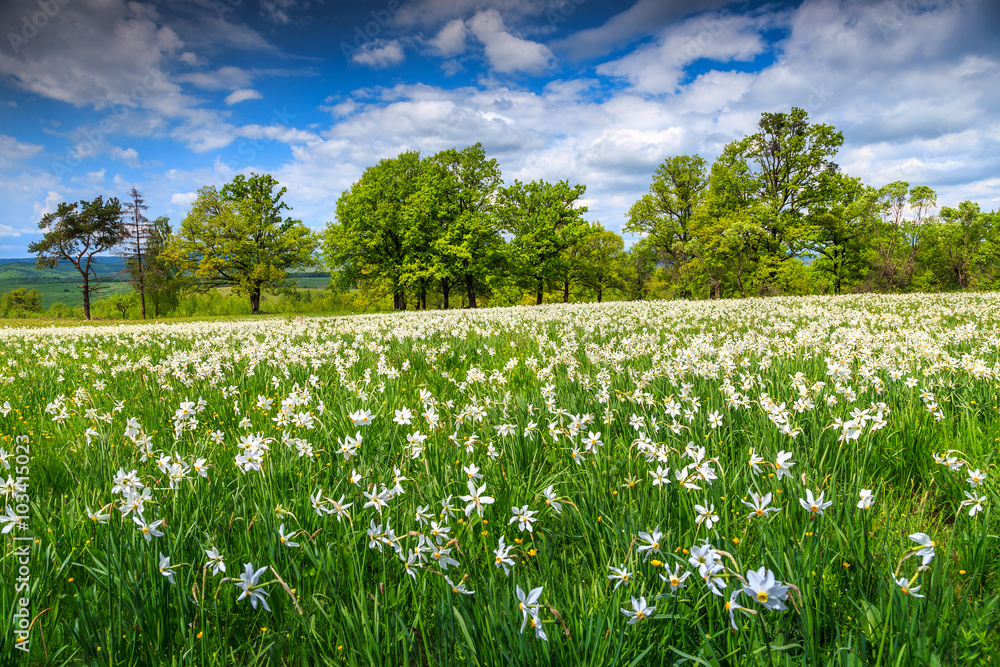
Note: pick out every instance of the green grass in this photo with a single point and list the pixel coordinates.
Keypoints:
(66, 292)
(341, 599)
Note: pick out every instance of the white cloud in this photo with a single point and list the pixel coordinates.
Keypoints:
(645, 17)
(660, 67)
(379, 53)
(505, 52)
(451, 40)
(242, 95)
(49, 205)
(120, 57)
(13, 151)
(288, 135)
(129, 156)
(94, 53)
(6, 231)
(223, 78)
(183, 199)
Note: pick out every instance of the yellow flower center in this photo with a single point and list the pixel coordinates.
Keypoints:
(640, 615)
(762, 597)
(675, 582)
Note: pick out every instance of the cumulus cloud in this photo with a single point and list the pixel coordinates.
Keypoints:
(660, 67)
(505, 52)
(450, 41)
(242, 95)
(49, 205)
(183, 199)
(94, 53)
(129, 156)
(379, 53)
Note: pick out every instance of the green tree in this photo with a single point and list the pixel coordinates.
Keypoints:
(544, 221)
(77, 233)
(840, 229)
(123, 302)
(639, 269)
(777, 173)
(897, 215)
(961, 243)
(20, 300)
(237, 238)
(663, 215)
(162, 281)
(464, 246)
(598, 261)
(377, 237)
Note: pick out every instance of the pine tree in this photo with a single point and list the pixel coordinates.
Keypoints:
(135, 245)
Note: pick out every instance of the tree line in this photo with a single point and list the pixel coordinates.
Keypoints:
(774, 214)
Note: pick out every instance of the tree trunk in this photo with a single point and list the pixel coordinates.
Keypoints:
(142, 283)
(600, 292)
(469, 290)
(86, 295)
(423, 296)
(566, 291)
(399, 300)
(255, 301)
(445, 290)
(539, 295)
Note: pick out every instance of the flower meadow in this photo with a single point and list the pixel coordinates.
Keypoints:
(782, 481)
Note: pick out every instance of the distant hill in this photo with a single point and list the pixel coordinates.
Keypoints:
(23, 270)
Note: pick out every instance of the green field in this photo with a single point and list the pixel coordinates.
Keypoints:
(67, 292)
(784, 481)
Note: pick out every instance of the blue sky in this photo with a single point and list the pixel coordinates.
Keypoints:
(97, 96)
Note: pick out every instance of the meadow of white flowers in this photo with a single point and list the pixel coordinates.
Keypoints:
(776, 481)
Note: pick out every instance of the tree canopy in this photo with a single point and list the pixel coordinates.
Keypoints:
(78, 233)
(235, 237)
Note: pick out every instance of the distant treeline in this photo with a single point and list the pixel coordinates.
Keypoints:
(110, 269)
